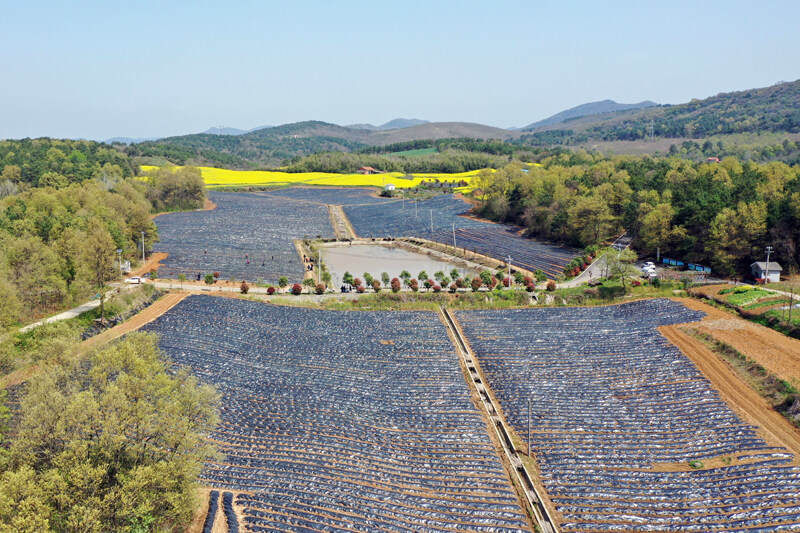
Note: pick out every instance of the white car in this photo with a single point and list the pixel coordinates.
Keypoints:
(649, 264)
(136, 280)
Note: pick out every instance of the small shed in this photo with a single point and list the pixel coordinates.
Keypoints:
(389, 187)
(771, 274)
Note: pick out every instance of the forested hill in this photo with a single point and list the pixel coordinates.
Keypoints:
(58, 162)
(769, 109)
(583, 110)
(273, 146)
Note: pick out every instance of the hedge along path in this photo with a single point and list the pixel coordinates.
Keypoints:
(170, 300)
(747, 403)
(773, 350)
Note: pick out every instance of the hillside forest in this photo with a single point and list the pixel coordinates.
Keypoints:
(717, 214)
(58, 239)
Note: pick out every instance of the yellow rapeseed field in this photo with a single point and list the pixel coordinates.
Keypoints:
(220, 177)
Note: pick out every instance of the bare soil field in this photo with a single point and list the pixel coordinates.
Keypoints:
(766, 349)
(776, 352)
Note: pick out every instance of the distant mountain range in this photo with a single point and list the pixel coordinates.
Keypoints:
(592, 108)
(775, 109)
(233, 131)
(130, 140)
(767, 109)
(396, 124)
(271, 146)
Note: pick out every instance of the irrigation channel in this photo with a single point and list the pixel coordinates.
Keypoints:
(519, 472)
(337, 421)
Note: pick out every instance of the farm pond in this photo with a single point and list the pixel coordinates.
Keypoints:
(379, 258)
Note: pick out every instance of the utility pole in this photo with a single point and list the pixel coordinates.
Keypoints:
(431, 220)
(529, 427)
(142, 248)
(766, 276)
(454, 239)
(319, 265)
(119, 259)
(509, 271)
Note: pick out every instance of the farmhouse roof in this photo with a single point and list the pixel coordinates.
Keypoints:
(762, 266)
(368, 168)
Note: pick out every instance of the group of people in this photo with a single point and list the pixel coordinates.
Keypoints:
(309, 263)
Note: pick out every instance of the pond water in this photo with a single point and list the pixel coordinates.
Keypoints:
(378, 258)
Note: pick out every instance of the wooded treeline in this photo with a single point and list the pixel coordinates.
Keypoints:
(719, 214)
(58, 245)
(452, 156)
(57, 162)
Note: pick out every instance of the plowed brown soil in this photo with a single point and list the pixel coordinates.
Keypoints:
(773, 350)
(747, 403)
(152, 263)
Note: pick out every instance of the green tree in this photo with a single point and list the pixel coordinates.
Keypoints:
(422, 276)
(657, 230)
(385, 278)
(735, 235)
(590, 219)
(181, 279)
(621, 264)
(108, 440)
(283, 281)
(348, 279)
(99, 257)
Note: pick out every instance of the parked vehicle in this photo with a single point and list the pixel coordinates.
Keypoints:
(136, 280)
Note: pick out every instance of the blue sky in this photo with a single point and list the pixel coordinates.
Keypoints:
(98, 69)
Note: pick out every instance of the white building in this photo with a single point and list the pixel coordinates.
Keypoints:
(769, 275)
(389, 187)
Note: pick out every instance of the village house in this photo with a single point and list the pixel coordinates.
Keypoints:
(771, 274)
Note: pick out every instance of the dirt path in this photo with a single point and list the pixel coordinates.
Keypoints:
(153, 263)
(148, 315)
(163, 305)
(745, 402)
(773, 350)
(341, 225)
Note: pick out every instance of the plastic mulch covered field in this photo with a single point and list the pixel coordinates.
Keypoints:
(341, 421)
(433, 219)
(247, 237)
(330, 195)
(611, 398)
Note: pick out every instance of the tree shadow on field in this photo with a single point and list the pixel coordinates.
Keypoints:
(609, 293)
